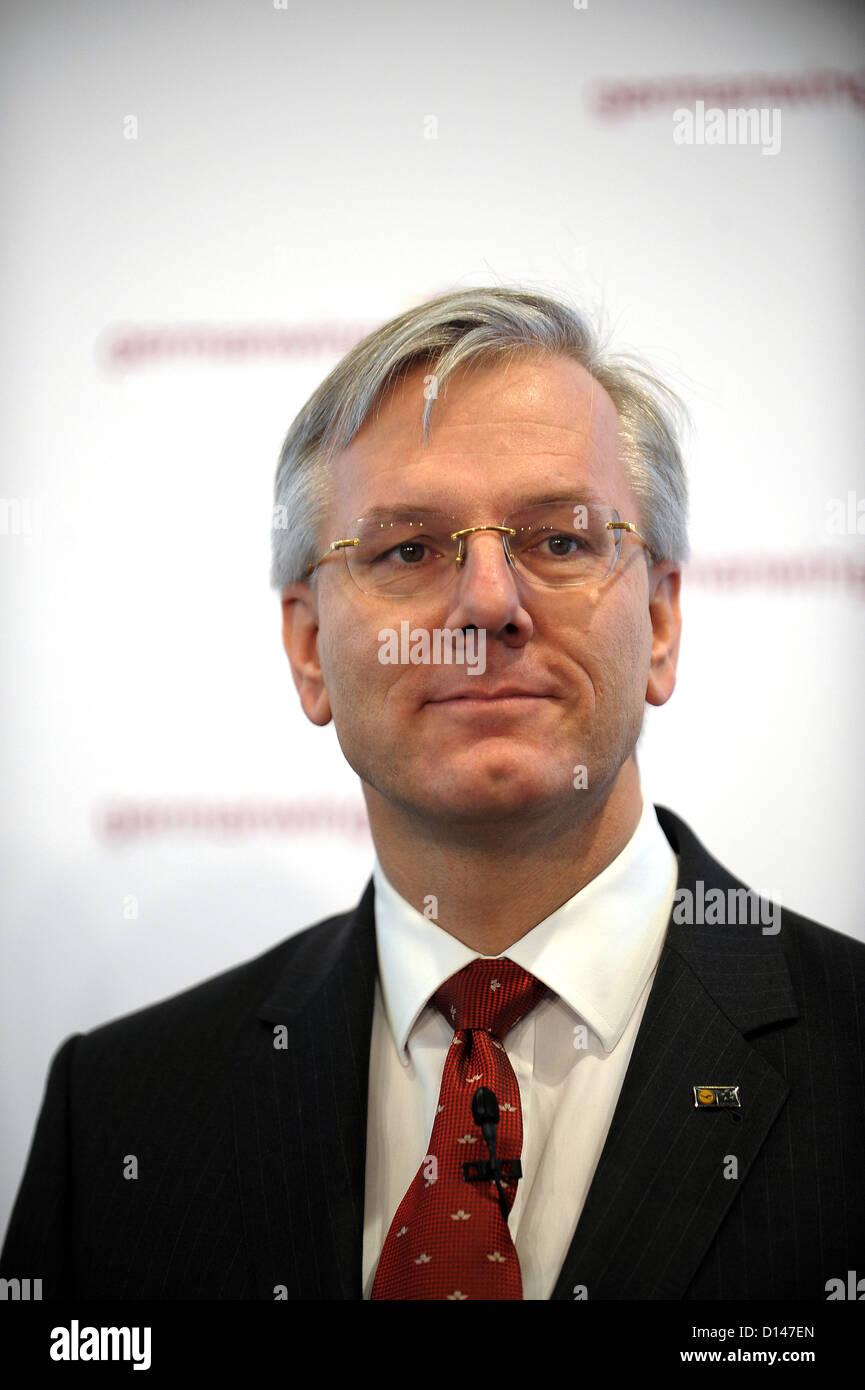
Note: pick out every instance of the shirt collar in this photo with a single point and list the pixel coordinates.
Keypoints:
(596, 951)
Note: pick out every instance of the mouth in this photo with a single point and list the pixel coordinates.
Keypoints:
(507, 695)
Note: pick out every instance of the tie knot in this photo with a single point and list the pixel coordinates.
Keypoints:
(491, 995)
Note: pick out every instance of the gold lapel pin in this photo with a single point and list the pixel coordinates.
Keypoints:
(716, 1097)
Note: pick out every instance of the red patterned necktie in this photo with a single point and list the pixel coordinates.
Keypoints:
(449, 1238)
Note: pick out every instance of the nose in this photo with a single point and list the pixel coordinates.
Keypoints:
(486, 593)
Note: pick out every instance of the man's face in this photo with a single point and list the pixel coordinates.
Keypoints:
(585, 659)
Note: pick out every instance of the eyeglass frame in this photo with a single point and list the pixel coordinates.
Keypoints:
(504, 531)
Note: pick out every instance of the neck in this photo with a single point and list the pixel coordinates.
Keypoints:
(493, 882)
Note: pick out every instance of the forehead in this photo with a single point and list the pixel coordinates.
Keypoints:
(500, 434)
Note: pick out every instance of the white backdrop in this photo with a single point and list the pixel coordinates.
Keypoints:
(206, 203)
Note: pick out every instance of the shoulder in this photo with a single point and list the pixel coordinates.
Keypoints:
(789, 985)
(211, 1015)
(811, 950)
(823, 960)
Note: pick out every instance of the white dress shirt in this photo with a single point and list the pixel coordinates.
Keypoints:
(597, 954)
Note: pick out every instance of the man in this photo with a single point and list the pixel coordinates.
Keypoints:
(679, 1091)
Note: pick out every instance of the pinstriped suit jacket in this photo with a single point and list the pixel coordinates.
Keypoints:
(251, 1157)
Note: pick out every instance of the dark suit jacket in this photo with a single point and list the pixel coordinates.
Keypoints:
(250, 1158)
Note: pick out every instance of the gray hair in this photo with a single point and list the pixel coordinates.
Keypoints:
(478, 325)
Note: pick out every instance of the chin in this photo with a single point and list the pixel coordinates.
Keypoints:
(474, 799)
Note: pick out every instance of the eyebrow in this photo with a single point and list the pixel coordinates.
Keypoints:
(415, 509)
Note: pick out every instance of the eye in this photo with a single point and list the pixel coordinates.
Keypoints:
(411, 552)
(560, 545)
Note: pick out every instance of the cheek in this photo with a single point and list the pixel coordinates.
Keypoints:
(355, 680)
(633, 650)
(338, 654)
(613, 650)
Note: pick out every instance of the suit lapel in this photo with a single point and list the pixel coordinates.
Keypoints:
(665, 1180)
(300, 1106)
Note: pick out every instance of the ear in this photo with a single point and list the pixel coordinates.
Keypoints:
(664, 584)
(300, 639)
